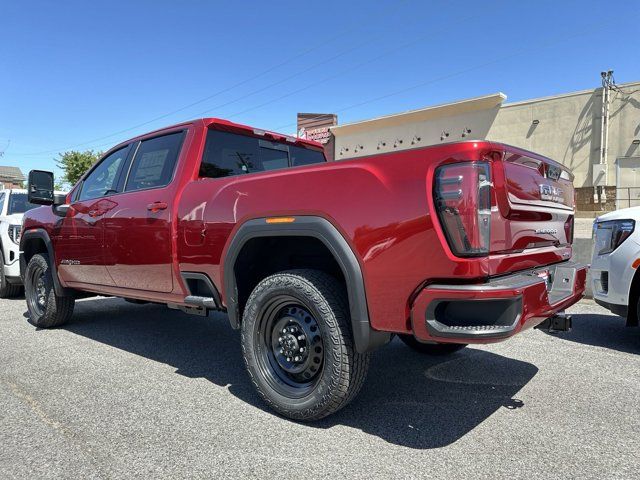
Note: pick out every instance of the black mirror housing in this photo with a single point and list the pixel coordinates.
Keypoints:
(40, 188)
(59, 199)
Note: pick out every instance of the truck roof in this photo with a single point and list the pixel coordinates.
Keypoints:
(223, 124)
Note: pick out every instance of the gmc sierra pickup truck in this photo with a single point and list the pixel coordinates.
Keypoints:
(317, 263)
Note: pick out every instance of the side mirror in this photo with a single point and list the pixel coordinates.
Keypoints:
(40, 187)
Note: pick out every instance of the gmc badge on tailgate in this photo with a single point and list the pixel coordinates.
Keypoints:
(551, 193)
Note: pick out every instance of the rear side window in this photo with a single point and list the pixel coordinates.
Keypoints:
(154, 162)
(303, 156)
(1, 203)
(228, 154)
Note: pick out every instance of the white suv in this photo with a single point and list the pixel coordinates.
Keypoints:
(615, 275)
(13, 204)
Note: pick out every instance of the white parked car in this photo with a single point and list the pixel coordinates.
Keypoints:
(13, 204)
(615, 272)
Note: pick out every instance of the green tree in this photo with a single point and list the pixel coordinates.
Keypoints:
(74, 164)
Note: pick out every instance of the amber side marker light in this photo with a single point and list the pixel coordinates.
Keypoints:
(281, 220)
(636, 263)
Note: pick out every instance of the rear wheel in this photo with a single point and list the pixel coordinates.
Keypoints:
(431, 348)
(46, 309)
(7, 290)
(298, 347)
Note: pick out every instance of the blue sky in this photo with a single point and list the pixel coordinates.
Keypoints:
(79, 75)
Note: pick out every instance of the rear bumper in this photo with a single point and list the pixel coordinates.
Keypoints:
(498, 309)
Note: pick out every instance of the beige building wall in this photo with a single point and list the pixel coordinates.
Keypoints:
(569, 127)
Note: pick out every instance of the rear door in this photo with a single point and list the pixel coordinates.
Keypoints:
(138, 230)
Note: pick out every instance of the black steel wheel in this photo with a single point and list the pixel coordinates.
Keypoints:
(297, 345)
(292, 350)
(431, 348)
(46, 309)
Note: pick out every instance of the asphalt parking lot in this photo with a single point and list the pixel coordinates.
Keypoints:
(127, 390)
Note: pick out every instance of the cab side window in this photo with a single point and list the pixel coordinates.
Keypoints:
(155, 162)
(103, 179)
(1, 203)
(227, 154)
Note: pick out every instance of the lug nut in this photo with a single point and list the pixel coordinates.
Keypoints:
(284, 330)
(288, 359)
(300, 337)
(297, 359)
(301, 349)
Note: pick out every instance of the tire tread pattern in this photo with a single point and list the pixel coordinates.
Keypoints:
(350, 367)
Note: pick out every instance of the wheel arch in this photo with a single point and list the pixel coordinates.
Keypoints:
(318, 228)
(38, 241)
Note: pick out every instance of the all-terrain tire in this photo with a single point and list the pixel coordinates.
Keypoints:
(7, 290)
(431, 348)
(318, 303)
(46, 309)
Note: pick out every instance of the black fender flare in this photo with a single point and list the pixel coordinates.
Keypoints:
(365, 337)
(40, 234)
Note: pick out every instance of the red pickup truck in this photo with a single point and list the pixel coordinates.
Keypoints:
(316, 263)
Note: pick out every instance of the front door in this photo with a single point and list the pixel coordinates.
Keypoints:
(138, 230)
(80, 244)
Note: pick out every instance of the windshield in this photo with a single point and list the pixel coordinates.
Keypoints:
(18, 203)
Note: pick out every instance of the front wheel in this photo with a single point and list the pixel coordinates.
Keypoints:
(46, 309)
(431, 348)
(298, 347)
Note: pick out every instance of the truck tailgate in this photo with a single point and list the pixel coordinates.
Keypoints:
(534, 200)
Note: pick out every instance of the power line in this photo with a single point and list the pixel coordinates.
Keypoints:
(330, 77)
(275, 67)
(599, 26)
(342, 72)
(5, 148)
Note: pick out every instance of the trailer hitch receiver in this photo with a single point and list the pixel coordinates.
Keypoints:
(557, 323)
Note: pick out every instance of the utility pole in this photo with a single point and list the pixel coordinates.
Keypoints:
(599, 194)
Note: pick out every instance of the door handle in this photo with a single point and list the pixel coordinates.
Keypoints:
(157, 206)
(95, 213)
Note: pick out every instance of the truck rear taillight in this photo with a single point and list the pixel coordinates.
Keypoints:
(463, 200)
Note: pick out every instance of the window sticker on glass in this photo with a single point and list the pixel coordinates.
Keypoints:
(151, 166)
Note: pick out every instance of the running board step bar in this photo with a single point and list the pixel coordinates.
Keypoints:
(205, 302)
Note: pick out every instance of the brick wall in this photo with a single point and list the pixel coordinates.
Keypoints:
(585, 203)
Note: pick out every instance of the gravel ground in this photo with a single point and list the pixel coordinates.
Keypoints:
(141, 391)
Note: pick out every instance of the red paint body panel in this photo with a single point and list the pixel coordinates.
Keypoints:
(383, 205)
